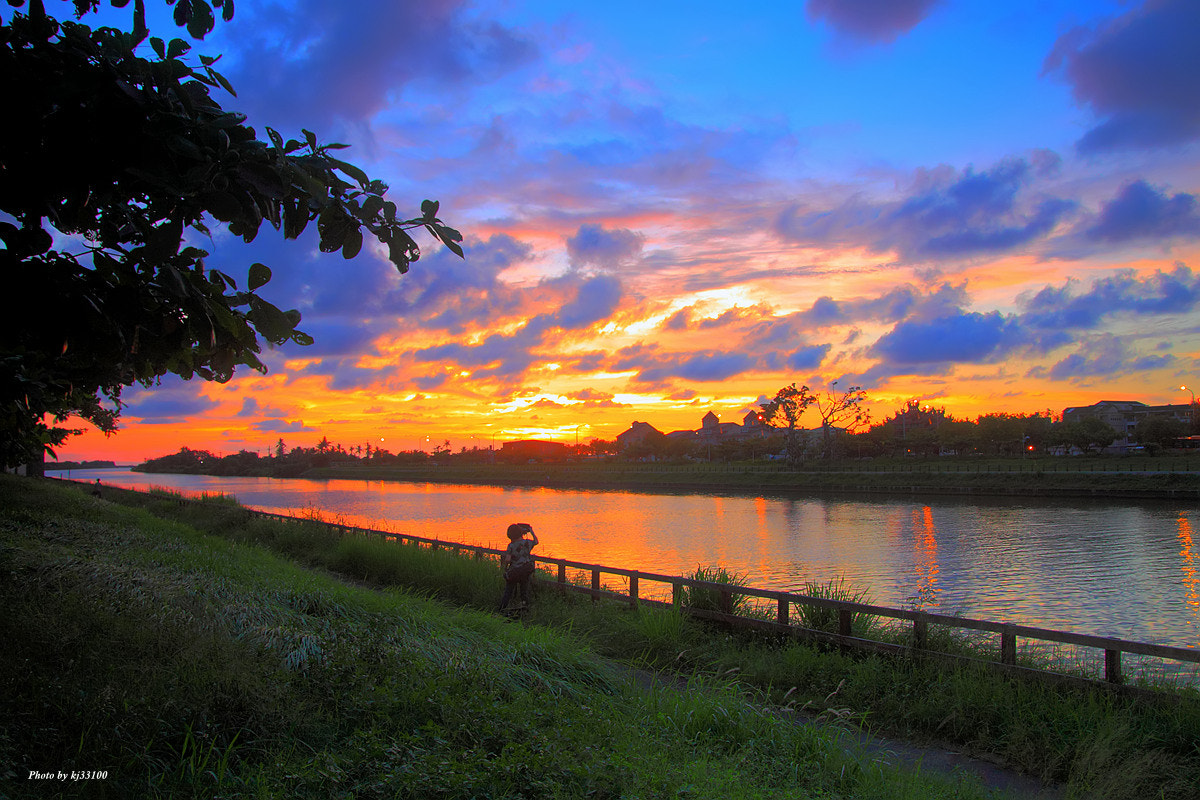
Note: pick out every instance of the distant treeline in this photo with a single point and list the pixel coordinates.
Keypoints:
(284, 462)
(914, 430)
(80, 464)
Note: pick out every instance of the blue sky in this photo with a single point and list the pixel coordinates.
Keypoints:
(671, 208)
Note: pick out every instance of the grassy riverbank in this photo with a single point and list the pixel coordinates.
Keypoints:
(171, 646)
(145, 658)
(1134, 477)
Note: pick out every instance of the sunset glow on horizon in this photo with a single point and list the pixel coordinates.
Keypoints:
(671, 209)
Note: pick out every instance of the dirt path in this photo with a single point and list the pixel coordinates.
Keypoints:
(992, 773)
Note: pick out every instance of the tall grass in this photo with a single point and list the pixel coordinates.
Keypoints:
(825, 618)
(707, 599)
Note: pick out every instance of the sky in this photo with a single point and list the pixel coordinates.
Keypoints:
(675, 208)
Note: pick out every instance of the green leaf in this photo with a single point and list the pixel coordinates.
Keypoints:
(160, 49)
(301, 338)
(219, 78)
(272, 323)
(372, 206)
(353, 242)
(221, 205)
(429, 208)
(177, 48)
(351, 170)
(202, 21)
(260, 275)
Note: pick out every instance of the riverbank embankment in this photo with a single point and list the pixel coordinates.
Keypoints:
(1134, 480)
(159, 648)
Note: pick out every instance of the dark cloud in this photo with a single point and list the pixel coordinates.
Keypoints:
(891, 307)
(446, 292)
(281, 426)
(1057, 308)
(251, 408)
(336, 336)
(1138, 74)
(945, 215)
(595, 246)
(966, 337)
(876, 21)
(1103, 357)
(171, 401)
(1140, 211)
(312, 62)
(808, 357)
(595, 300)
(679, 321)
(705, 366)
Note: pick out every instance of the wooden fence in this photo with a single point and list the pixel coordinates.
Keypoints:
(553, 573)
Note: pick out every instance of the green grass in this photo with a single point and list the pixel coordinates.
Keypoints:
(1099, 745)
(185, 664)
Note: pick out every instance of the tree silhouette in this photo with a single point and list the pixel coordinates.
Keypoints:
(109, 160)
(784, 411)
(842, 410)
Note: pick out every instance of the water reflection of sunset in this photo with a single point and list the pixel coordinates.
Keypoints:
(926, 561)
(1190, 582)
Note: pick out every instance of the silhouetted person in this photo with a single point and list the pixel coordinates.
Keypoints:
(517, 562)
(96, 488)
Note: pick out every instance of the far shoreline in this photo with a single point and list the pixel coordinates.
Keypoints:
(1004, 480)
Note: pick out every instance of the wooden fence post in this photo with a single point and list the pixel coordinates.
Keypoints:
(726, 602)
(562, 579)
(920, 631)
(595, 585)
(676, 595)
(845, 618)
(1112, 666)
(781, 615)
(633, 591)
(1008, 646)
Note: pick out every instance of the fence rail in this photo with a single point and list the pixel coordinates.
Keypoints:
(1008, 634)
(780, 621)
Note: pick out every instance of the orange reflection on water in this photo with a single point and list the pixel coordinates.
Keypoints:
(926, 558)
(1190, 581)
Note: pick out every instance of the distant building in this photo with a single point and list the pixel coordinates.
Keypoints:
(637, 434)
(1124, 415)
(754, 424)
(532, 450)
(711, 427)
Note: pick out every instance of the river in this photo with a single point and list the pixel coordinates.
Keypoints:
(1121, 569)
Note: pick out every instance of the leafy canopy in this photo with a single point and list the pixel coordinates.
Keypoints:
(111, 155)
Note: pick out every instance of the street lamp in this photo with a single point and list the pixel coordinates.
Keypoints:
(1189, 391)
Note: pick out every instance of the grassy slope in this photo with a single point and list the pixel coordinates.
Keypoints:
(187, 665)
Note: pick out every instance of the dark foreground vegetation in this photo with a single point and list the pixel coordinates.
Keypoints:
(191, 649)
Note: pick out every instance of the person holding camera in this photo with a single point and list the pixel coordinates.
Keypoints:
(517, 562)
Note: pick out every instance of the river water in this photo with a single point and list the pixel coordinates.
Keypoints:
(1121, 569)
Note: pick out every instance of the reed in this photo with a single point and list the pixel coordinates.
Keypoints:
(707, 599)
